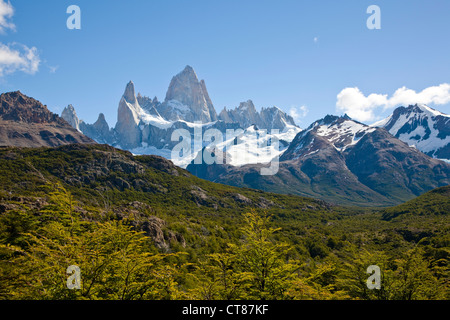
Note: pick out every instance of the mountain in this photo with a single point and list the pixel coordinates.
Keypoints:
(341, 160)
(246, 115)
(98, 131)
(25, 122)
(421, 127)
(146, 126)
(69, 114)
(187, 99)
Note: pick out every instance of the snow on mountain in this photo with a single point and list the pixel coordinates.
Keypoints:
(145, 125)
(421, 127)
(256, 146)
(247, 115)
(343, 134)
(71, 117)
(339, 132)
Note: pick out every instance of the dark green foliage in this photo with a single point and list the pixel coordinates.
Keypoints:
(141, 228)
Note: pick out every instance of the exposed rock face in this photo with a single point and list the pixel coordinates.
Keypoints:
(128, 119)
(246, 115)
(25, 122)
(71, 117)
(212, 110)
(186, 89)
(422, 127)
(274, 118)
(15, 106)
(141, 218)
(99, 131)
(102, 127)
(145, 125)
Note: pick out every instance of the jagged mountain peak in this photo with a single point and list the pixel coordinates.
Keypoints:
(101, 118)
(183, 85)
(190, 96)
(129, 93)
(248, 107)
(188, 70)
(423, 108)
(421, 127)
(69, 114)
(339, 132)
(70, 108)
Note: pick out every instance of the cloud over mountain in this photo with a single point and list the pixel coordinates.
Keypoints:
(363, 108)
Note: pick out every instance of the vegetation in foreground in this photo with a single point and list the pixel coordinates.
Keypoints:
(129, 244)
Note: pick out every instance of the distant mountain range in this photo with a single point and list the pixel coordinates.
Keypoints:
(336, 159)
(343, 161)
(145, 125)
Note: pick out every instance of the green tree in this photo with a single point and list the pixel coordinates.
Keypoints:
(263, 260)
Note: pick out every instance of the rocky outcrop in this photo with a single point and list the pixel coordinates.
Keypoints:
(140, 216)
(99, 131)
(188, 91)
(247, 115)
(128, 118)
(71, 117)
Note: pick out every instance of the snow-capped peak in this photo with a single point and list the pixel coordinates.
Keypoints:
(342, 132)
(421, 127)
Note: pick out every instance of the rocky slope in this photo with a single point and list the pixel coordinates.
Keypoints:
(101, 175)
(421, 127)
(25, 122)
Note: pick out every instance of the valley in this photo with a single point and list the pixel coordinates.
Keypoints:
(345, 196)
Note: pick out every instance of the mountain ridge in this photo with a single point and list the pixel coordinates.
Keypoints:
(422, 127)
(145, 125)
(343, 161)
(26, 122)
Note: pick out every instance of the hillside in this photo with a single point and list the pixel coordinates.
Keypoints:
(90, 170)
(141, 228)
(26, 122)
(435, 202)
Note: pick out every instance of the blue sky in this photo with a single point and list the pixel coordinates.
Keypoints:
(291, 54)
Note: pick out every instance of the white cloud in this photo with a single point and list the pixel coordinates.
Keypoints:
(15, 57)
(360, 107)
(18, 57)
(298, 113)
(6, 13)
(316, 39)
